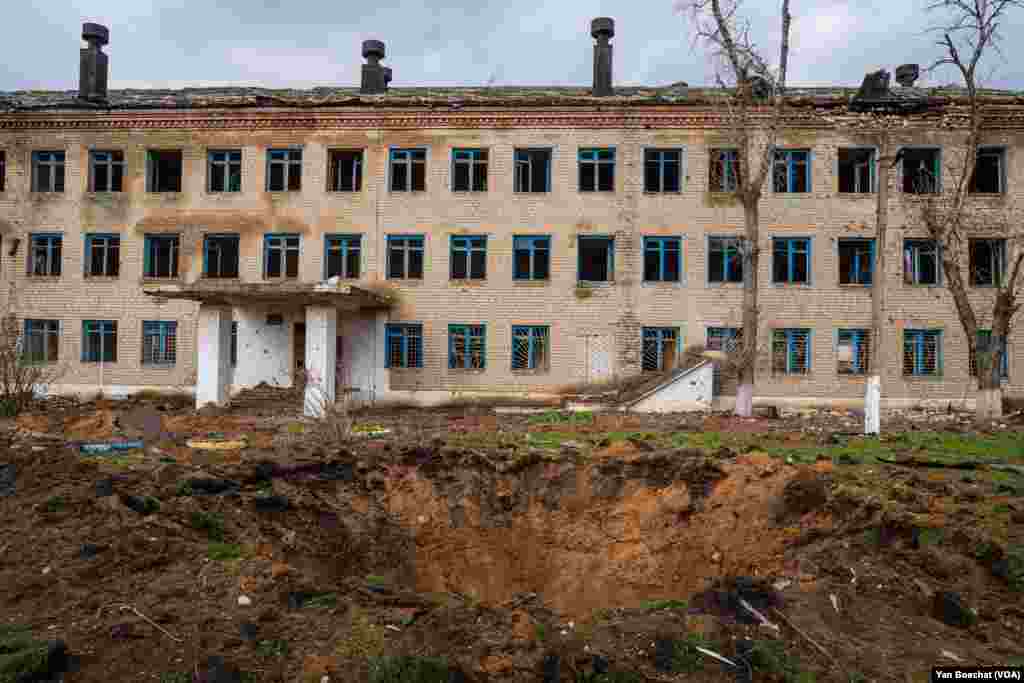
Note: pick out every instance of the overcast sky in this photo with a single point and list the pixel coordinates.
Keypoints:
(304, 43)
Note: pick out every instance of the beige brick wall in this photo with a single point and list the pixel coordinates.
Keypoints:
(611, 318)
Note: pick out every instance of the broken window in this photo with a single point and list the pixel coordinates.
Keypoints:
(985, 351)
(44, 258)
(234, 343)
(47, 171)
(102, 255)
(725, 259)
(724, 170)
(466, 347)
(161, 256)
(343, 257)
(856, 170)
(3, 170)
(531, 258)
(408, 170)
(345, 170)
(922, 352)
(856, 261)
(597, 170)
(468, 258)
(159, 342)
(530, 350)
(220, 256)
(663, 259)
(853, 351)
(921, 170)
(224, 170)
(596, 259)
(106, 171)
(42, 341)
(662, 170)
(405, 257)
(920, 262)
(660, 348)
(99, 341)
(791, 260)
(533, 170)
(280, 256)
(469, 170)
(987, 262)
(791, 351)
(284, 170)
(404, 346)
(163, 170)
(989, 175)
(791, 171)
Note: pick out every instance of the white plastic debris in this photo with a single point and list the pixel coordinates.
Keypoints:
(762, 618)
(715, 655)
(244, 600)
(835, 602)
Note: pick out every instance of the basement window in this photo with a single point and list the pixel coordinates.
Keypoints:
(922, 352)
(47, 171)
(791, 171)
(531, 258)
(163, 170)
(987, 262)
(853, 351)
(989, 175)
(102, 255)
(662, 170)
(159, 342)
(596, 259)
(856, 261)
(224, 170)
(99, 341)
(660, 348)
(284, 170)
(467, 348)
(530, 347)
(106, 171)
(920, 262)
(597, 170)
(533, 170)
(404, 346)
(343, 256)
(469, 170)
(791, 260)
(44, 258)
(725, 259)
(468, 258)
(405, 257)
(280, 256)
(345, 170)
(220, 256)
(408, 170)
(921, 170)
(984, 350)
(856, 170)
(42, 341)
(791, 351)
(724, 170)
(663, 259)
(160, 258)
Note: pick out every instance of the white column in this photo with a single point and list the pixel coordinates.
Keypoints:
(873, 405)
(321, 353)
(214, 355)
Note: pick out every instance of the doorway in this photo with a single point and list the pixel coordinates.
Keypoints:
(299, 354)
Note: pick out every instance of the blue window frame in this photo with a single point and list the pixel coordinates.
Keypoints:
(530, 347)
(342, 256)
(853, 350)
(47, 171)
(220, 256)
(596, 259)
(532, 170)
(106, 171)
(408, 170)
(405, 257)
(663, 259)
(922, 352)
(160, 255)
(42, 341)
(224, 170)
(284, 170)
(404, 346)
(597, 170)
(662, 170)
(660, 348)
(102, 255)
(920, 262)
(531, 258)
(725, 259)
(791, 351)
(791, 260)
(467, 347)
(856, 170)
(44, 259)
(469, 170)
(468, 257)
(99, 341)
(983, 346)
(791, 171)
(856, 261)
(280, 256)
(724, 170)
(159, 342)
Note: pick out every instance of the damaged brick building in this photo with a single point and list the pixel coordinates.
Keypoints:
(429, 244)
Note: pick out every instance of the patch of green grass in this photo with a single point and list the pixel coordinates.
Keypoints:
(210, 522)
(376, 580)
(21, 655)
(364, 639)
(929, 536)
(770, 656)
(175, 677)
(686, 658)
(272, 648)
(409, 670)
(54, 504)
(1001, 509)
(550, 439)
(223, 552)
(541, 631)
(670, 604)
(322, 601)
(184, 489)
(554, 417)
(610, 677)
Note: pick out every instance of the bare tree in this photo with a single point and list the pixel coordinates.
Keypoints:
(29, 359)
(955, 213)
(747, 83)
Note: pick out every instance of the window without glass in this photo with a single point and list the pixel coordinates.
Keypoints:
(791, 351)
(530, 349)
(106, 171)
(466, 347)
(662, 170)
(163, 170)
(791, 260)
(3, 170)
(853, 351)
(920, 262)
(284, 170)
(47, 171)
(161, 256)
(159, 342)
(280, 256)
(597, 170)
(408, 170)
(405, 257)
(343, 256)
(469, 170)
(99, 341)
(663, 259)
(989, 175)
(42, 341)
(531, 258)
(533, 170)
(44, 258)
(856, 261)
(469, 258)
(660, 348)
(987, 262)
(791, 171)
(345, 170)
(922, 352)
(220, 256)
(596, 259)
(224, 170)
(724, 170)
(921, 170)
(856, 170)
(725, 259)
(403, 346)
(102, 255)
(984, 349)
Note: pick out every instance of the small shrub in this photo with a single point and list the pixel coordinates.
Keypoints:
(184, 489)
(272, 648)
(365, 639)
(686, 658)
(659, 605)
(175, 677)
(21, 656)
(210, 522)
(409, 670)
(223, 552)
(770, 656)
(54, 504)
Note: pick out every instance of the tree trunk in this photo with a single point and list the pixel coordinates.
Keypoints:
(873, 387)
(745, 388)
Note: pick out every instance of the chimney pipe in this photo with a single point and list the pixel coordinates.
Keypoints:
(602, 29)
(93, 65)
(375, 77)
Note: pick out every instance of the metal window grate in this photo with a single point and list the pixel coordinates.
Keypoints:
(404, 346)
(530, 347)
(853, 351)
(791, 351)
(159, 342)
(660, 348)
(466, 347)
(922, 352)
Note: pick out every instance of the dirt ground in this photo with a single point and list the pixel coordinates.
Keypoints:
(471, 545)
